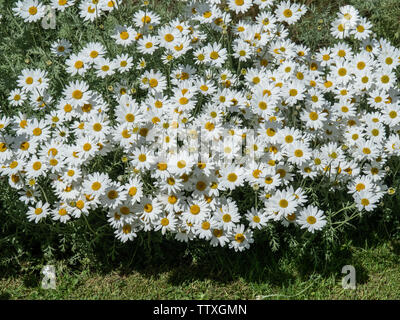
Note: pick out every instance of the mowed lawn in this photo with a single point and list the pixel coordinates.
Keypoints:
(377, 265)
(377, 277)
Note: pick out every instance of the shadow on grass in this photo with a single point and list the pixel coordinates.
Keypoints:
(186, 263)
(198, 262)
(5, 296)
(153, 255)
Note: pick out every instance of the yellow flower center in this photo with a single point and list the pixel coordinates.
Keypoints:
(342, 72)
(239, 237)
(124, 210)
(218, 233)
(112, 194)
(124, 35)
(214, 55)
(365, 202)
(232, 177)
(37, 132)
(311, 220)
(287, 13)
(77, 94)
(127, 229)
(62, 212)
(262, 105)
(360, 186)
(148, 207)
(96, 186)
(283, 203)
(183, 100)
(94, 54)
(169, 37)
(78, 64)
(153, 83)
(205, 225)
(13, 164)
(32, 10)
(298, 153)
(25, 145)
(70, 173)
(385, 79)
(360, 28)
(164, 222)
(97, 127)
(389, 60)
(289, 139)
(87, 147)
(146, 19)
(172, 199)
(313, 116)
(37, 165)
(201, 185)
(361, 65)
(195, 209)
(271, 132)
(162, 166)
(132, 191)
(209, 126)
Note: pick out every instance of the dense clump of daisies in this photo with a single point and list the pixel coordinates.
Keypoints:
(89, 10)
(223, 99)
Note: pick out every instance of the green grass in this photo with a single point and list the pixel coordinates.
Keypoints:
(377, 271)
(170, 270)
